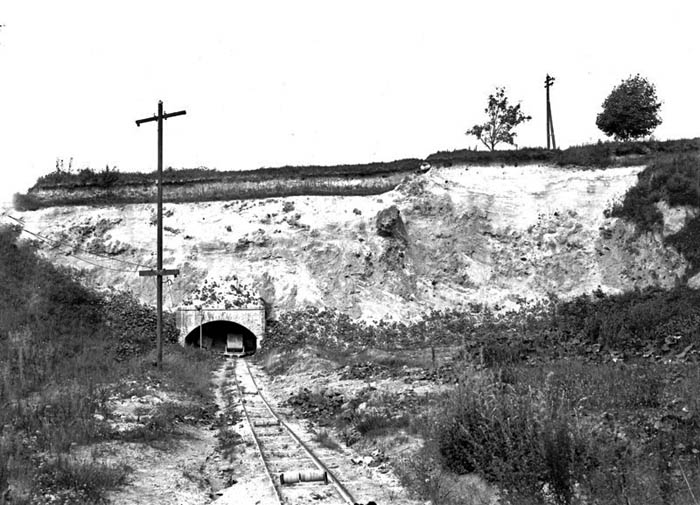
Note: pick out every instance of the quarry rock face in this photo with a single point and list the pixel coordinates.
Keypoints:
(502, 236)
(222, 293)
(390, 224)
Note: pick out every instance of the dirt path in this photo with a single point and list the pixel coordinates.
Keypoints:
(175, 470)
(172, 475)
(178, 469)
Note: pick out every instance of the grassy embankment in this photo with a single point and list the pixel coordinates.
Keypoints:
(111, 187)
(592, 400)
(69, 352)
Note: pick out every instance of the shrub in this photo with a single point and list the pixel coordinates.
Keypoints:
(571, 432)
(675, 180)
(424, 476)
(598, 155)
(375, 422)
(631, 323)
(687, 242)
(57, 371)
(520, 439)
(25, 202)
(228, 440)
(325, 439)
(80, 481)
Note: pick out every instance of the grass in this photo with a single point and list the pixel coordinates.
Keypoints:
(325, 439)
(635, 323)
(592, 400)
(228, 440)
(426, 478)
(196, 191)
(111, 187)
(570, 432)
(66, 351)
(599, 155)
(88, 177)
(378, 423)
(162, 422)
(674, 180)
(80, 481)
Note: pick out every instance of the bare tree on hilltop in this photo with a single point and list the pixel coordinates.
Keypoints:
(502, 119)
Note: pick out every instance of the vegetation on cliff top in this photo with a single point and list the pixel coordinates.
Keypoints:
(111, 177)
(111, 187)
(599, 155)
(676, 181)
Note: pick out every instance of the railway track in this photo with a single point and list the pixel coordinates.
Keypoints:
(295, 473)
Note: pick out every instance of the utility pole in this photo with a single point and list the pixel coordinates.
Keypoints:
(549, 82)
(159, 272)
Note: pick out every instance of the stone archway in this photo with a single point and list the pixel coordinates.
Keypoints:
(213, 336)
(249, 323)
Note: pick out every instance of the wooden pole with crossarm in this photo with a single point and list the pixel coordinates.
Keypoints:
(160, 272)
(548, 83)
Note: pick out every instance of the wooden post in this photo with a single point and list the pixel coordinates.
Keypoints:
(201, 322)
(549, 82)
(546, 85)
(159, 272)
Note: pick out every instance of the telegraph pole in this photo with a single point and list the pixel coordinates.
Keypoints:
(159, 272)
(549, 82)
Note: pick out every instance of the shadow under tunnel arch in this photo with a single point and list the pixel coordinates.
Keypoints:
(218, 335)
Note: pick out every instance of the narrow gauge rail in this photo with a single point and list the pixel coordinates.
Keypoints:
(284, 454)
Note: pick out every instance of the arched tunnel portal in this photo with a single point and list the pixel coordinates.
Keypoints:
(246, 324)
(214, 335)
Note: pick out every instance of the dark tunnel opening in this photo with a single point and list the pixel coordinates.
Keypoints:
(223, 336)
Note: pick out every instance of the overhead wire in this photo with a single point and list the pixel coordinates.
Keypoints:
(101, 266)
(72, 254)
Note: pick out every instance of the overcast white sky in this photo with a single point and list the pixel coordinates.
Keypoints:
(271, 83)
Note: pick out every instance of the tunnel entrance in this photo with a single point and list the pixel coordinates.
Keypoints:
(222, 336)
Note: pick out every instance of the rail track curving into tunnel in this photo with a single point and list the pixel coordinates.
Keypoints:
(294, 471)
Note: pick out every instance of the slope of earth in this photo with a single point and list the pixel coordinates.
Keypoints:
(503, 236)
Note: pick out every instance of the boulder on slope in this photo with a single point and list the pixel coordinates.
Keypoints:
(390, 224)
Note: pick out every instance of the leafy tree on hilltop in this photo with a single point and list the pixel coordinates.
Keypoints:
(502, 119)
(631, 110)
